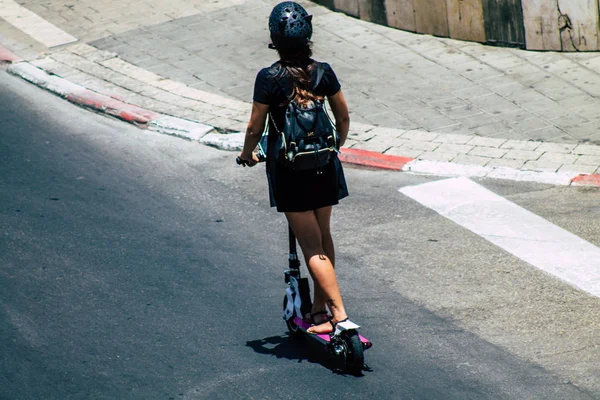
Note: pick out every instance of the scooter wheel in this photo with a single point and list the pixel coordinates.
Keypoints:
(295, 331)
(354, 357)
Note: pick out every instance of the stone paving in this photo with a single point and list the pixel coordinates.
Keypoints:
(411, 95)
(391, 78)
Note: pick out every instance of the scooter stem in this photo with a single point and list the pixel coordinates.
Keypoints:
(293, 257)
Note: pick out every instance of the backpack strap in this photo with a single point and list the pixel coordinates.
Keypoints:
(276, 73)
(320, 73)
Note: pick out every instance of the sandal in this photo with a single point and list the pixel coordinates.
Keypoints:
(333, 326)
(312, 316)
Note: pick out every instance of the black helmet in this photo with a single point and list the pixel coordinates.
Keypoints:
(290, 25)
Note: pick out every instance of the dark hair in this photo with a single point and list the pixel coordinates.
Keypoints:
(297, 62)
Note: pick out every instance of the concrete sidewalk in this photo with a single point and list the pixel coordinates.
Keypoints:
(432, 99)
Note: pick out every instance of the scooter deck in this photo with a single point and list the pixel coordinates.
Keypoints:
(304, 325)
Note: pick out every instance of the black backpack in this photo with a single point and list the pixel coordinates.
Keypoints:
(308, 140)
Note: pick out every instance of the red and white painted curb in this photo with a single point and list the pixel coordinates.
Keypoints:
(7, 56)
(205, 134)
(438, 168)
(81, 96)
(586, 180)
(374, 159)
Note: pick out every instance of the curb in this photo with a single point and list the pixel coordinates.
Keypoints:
(475, 171)
(205, 134)
(373, 159)
(586, 180)
(188, 129)
(7, 56)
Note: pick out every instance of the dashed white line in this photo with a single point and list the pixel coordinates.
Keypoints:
(33, 25)
(518, 231)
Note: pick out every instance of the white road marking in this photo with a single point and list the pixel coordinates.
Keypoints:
(33, 25)
(516, 230)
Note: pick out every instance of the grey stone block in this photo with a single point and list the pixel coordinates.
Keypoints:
(471, 160)
(387, 132)
(472, 93)
(349, 143)
(389, 119)
(505, 163)
(512, 135)
(447, 104)
(554, 112)
(462, 112)
(438, 123)
(438, 156)
(359, 136)
(494, 104)
(404, 152)
(584, 131)
(419, 115)
(499, 81)
(531, 124)
(559, 158)
(570, 121)
(457, 129)
(433, 95)
(394, 120)
(564, 148)
(509, 90)
(579, 168)
(542, 166)
(453, 139)
(372, 146)
(478, 121)
(493, 129)
(417, 135)
(488, 152)
(588, 159)
(525, 155)
(515, 117)
(590, 112)
(573, 103)
(479, 141)
(222, 123)
(529, 96)
(564, 92)
(521, 145)
(420, 145)
(454, 148)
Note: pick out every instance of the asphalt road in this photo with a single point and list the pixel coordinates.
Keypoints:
(140, 266)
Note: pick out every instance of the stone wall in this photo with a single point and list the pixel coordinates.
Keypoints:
(559, 25)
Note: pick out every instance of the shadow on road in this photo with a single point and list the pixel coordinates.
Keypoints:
(298, 350)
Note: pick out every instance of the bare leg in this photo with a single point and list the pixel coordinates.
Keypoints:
(306, 227)
(323, 216)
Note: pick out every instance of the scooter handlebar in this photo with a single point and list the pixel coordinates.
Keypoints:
(261, 158)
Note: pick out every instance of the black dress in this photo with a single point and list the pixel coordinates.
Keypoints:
(291, 190)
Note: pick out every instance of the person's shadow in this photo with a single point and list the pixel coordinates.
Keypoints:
(300, 350)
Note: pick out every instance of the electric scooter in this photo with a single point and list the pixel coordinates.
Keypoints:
(344, 342)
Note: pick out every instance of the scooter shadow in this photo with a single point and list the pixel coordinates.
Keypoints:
(297, 349)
